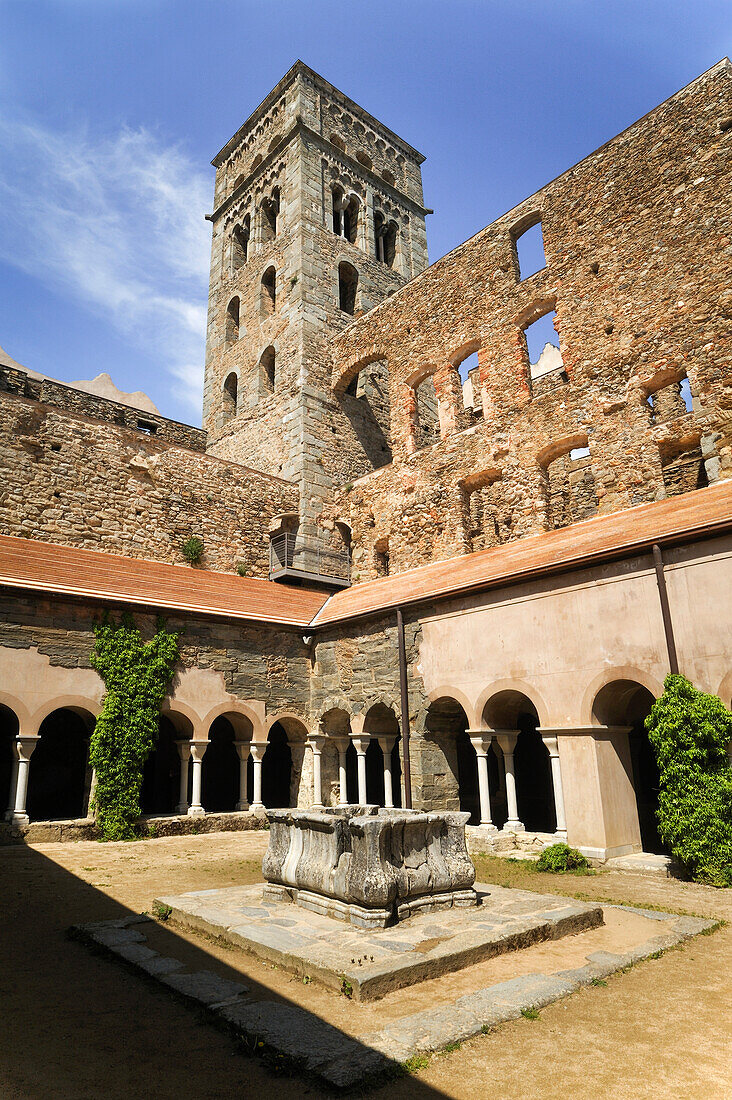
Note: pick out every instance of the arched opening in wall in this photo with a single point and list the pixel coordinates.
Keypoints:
(543, 350)
(365, 401)
(425, 423)
(161, 773)
(59, 776)
(352, 774)
(240, 244)
(256, 162)
(626, 703)
(683, 466)
(487, 517)
(229, 396)
(513, 713)
(232, 322)
(268, 304)
(468, 369)
(274, 143)
(277, 769)
(386, 233)
(388, 177)
(364, 159)
(270, 215)
(345, 215)
(381, 557)
(8, 734)
(570, 487)
(220, 769)
(451, 759)
(670, 401)
(267, 364)
(347, 287)
(338, 142)
(528, 245)
(336, 725)
(381, 722)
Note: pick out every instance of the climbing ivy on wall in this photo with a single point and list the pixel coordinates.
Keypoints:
(690, 732)
(136, 675)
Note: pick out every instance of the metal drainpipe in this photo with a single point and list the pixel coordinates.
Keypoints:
(673, 660)
(405, 710)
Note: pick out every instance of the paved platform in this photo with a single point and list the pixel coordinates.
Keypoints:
(303, 1042)
(374, 963)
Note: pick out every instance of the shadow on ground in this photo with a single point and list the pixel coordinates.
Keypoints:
(80, 1025)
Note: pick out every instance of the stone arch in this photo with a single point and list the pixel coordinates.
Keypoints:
(516, 686)
(183, 716)
(233, 707)
(284, 782)
(18, 708)
(452, 692)
(449, 753)
(354, 367)
(380, 719)
(609, 676)
(80, 704)
(220, 767)
(626, 703)
(514, 711)
(161, 772)
(59, 777)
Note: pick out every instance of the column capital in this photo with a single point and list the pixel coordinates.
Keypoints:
(316, 742)
(361, 743)
(480, 740)
(506, 739)
(386, 741)
(242, 748)
(340, 740)
(184, 748)
(258, 749)
(198, 748)
(24, 745)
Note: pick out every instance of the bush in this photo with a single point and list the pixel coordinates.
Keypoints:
(192, 550)
(136, 675)
(690, 731)
(560, 858)
(242, 569)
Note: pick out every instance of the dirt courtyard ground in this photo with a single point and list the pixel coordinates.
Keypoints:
(79, 1026)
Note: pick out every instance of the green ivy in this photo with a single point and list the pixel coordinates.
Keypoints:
(136, 675)
(690, 732)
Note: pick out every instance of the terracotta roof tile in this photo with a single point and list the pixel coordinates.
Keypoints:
(46, 567)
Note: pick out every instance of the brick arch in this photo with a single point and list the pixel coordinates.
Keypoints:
(356, 365)
(461, 353)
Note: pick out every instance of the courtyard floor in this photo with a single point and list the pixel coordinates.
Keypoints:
(78, 1025)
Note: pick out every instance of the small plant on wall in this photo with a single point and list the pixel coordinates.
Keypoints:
(192, 550)
(690, 732)
(136, 675)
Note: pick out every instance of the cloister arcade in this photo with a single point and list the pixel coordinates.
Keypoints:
(504, 768)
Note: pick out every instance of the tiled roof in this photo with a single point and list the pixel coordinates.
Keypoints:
(619, 534)
(46, 567)
(65, 570)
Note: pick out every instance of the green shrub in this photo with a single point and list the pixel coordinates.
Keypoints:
(136, 675)
(690, 731)
(242, 569)
(192, 550)
(560, 858)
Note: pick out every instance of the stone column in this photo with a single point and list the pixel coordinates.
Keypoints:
(481, 742)
(342, 746)
(198, 748)
(316, 744)
(242, 748)
(184, 752)
(387, 744)
(258, 749)
(507, 740)
(361, 744)
(23, 749)
(553, 750)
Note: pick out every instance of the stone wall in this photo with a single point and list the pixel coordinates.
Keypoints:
(78, 481)
(637, 252)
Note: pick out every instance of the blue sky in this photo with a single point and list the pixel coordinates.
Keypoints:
(111, 110)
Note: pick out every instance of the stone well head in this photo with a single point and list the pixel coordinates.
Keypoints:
(367, 864)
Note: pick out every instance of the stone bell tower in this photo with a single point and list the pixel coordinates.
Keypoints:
(317, 217)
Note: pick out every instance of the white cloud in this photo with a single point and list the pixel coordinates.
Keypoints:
(116, 223)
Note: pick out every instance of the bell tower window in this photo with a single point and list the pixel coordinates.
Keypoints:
(347, 287)
(232, 322)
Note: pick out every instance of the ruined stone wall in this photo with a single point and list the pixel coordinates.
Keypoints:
(637, 254)
(78, 481)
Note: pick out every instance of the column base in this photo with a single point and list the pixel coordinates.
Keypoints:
(17, 819)
(196, 811)
(182, 808)
(488, 826)
(514, 826)
(561, 835)
(257, 807)
(242, 807)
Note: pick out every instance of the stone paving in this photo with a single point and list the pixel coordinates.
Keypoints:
(306, 1043)
(373, 963)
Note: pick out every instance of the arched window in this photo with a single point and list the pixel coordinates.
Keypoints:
(381, 557)
(364, 159)
(267, 370)
(240, 244)
(338, 142)
(274, 143)
(270, 213)
(269, 292)
(232, 322)
(347, 287)
(229, 396)
(345, 215)
(528, 246)
(256, 162)
(385, 239)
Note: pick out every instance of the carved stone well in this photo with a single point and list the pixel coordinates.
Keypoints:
(369, 865)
